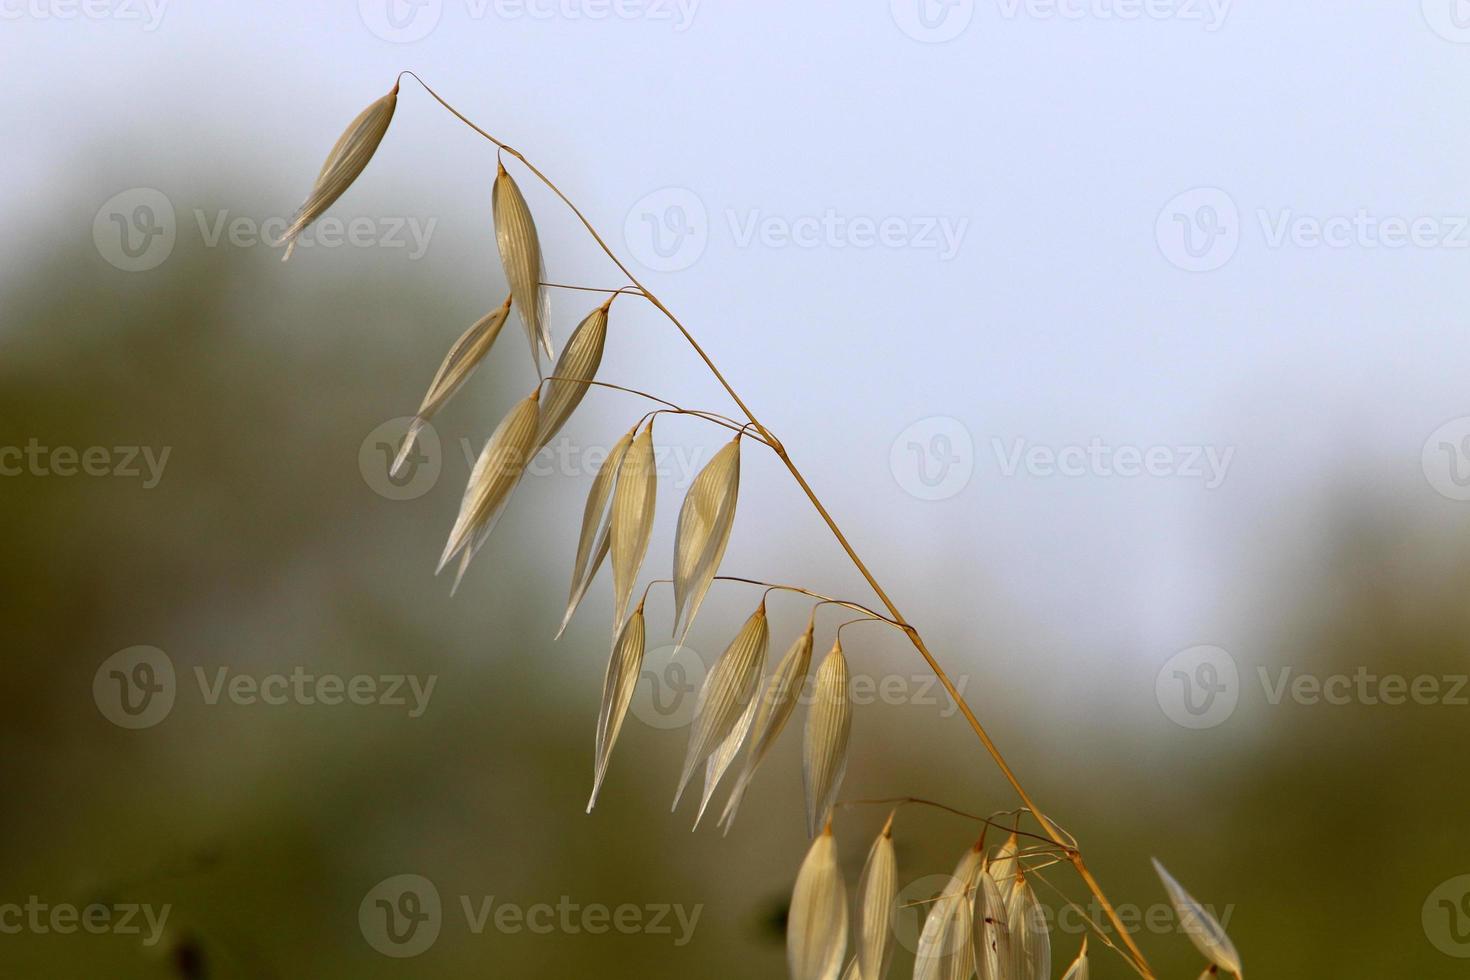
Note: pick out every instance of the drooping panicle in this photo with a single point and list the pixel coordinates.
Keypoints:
(728, 689)
(520, 255)
(816, 928)
(828, 726)
(705, 522)
(617, 693)
(578, 364)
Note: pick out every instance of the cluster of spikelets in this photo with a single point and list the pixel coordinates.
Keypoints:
(986, 921)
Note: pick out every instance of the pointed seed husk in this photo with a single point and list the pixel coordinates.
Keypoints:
(617, 693)
(348, 158)
(1208, 936)
(992, 931)
(592, 545)
(632, 519)
(579, 362)
(705, 522)
(719, 760)
(946, 944)
(877, 891)
(828, 725)
(466, 354)
(728, 689)
(776, 702)
(520, 255)
(1079, 969)
(1030, 940)
(816, 928)
(494, 477)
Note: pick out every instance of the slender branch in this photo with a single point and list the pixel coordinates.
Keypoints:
(854, 606)
(1140, 963)
(714, 417)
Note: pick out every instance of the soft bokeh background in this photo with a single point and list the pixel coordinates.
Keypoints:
(1070, 307)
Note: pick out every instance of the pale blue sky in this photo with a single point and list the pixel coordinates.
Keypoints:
(1049, 141)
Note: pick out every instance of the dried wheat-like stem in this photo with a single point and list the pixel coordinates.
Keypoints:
(618, 521)
(1074, 855)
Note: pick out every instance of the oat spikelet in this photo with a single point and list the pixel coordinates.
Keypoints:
(816, 928)
(1030, 940)
(828, 725)
(617, 693)
(1208, 936)
(946, 950)
(466, 354)
(1079, 969)
(520, 254)
(776, 702)
(494, 476)
(592, 546)
(632, 520)
(346, 161)
(579, 359)
(877, 891)
(1005, 867)
(992, 931)
(728, 689)
(705, 522)
(719, 760)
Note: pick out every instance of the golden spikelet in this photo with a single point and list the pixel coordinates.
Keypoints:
(946, 950)
(705, 522)
(520, 255)
(1079, 969)
(992, 930)
(494, 477)
(1208, 936)
(877, 891)
(579, 360)
(776, 702)
(1030, 940)
(632, 520)
(728, 690)
(617, 693)
(347, 160)
(824, 750)
(592, 545)
(466, 354)
(816, 928)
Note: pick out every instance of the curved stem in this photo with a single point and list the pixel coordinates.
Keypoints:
(1075, 856)
(672, 408)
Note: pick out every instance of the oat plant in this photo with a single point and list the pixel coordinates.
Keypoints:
(987, 920)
